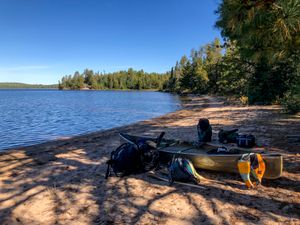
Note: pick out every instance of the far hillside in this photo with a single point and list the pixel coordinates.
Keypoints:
(22, 85)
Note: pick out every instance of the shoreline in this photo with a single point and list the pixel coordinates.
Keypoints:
(62, 182)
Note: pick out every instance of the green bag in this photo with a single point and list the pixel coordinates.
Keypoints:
(228, 136)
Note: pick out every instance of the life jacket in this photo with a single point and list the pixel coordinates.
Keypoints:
(251, 163)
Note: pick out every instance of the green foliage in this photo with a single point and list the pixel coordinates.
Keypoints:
(208, 70)
(291, 103)
(267, 36)
(261, 28)
(130, 79)
(233, 73)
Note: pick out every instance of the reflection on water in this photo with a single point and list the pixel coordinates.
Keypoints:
(32, 116)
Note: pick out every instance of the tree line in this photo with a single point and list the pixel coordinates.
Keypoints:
(127, 79)
(258, 60)
(22, 85)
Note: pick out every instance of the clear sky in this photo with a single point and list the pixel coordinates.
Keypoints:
(42, 40)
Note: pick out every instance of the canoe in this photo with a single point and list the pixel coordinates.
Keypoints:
(202, 157)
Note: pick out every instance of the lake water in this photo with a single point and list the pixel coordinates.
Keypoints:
(32, 116)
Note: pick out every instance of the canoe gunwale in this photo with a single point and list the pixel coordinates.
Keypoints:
(211, 155)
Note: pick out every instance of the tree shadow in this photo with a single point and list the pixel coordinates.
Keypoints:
(63, 181)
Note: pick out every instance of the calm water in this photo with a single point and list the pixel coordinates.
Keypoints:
(33, 116)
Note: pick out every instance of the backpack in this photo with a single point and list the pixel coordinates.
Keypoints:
(124, 160)
(227, 136)
(204, 130)
(245, 141)
(181, 169)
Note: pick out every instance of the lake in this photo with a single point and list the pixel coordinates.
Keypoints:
(33, 116)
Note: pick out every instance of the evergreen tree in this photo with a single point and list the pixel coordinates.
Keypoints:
(186, 76)
(267, 34)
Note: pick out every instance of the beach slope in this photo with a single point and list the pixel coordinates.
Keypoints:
(62, 182)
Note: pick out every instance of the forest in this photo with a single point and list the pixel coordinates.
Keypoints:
(257, 62)
(22, 85)
(124, 80)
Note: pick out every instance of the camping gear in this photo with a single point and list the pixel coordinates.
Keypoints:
(124, 160)
(245, 141)
(204, 130)
(155, 142)
(149, 155)
(181, 169)
(134, 156)
(203, 158)
(251, 165)
(223, 150)
(227, 136)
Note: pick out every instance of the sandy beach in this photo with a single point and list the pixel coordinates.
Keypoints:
(62, 182)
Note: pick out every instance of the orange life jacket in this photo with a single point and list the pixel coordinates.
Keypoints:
(251, 163)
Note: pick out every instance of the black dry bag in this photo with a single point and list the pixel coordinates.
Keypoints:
(204, 130)
(124, 160)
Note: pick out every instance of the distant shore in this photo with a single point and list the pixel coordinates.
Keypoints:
(63, 181)
(15, 85)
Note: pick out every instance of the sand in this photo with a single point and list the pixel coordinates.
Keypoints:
(62, 182)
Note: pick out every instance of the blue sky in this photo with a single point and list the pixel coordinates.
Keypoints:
(42, 40)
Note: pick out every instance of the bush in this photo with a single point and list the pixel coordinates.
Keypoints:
(244, 100)
(291, 103)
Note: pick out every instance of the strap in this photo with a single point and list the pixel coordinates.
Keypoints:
(109, 162)
(107, 169)
(244, 169)
(159, 138)
(258, 172)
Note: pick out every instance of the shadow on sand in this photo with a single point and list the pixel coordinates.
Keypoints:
(63, 182)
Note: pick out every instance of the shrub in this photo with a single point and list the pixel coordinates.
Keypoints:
(244, 100)
(291, 103)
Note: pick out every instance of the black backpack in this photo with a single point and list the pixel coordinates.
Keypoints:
(125, 160)
(131, 158)
(204, 130)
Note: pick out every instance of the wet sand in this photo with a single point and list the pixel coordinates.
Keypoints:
(62, 182)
